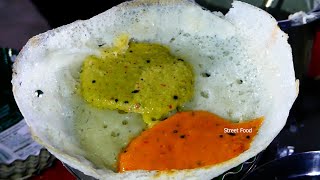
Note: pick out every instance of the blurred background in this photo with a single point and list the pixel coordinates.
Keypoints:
(19, 21)
(22, 19)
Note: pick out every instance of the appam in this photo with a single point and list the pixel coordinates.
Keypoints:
(245, 46)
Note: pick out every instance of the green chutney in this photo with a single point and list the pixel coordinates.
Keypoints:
(137, 77)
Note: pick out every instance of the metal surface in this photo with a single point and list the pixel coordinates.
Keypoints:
(78, 174)
(301, 19)
(299, 166)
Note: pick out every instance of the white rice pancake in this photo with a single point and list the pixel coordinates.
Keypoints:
(245, 52)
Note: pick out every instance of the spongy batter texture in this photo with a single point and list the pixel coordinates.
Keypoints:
(242, 65)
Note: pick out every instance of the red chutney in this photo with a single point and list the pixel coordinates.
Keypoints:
(188, 140)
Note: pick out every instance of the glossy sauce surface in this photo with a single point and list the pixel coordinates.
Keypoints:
(188, 140)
